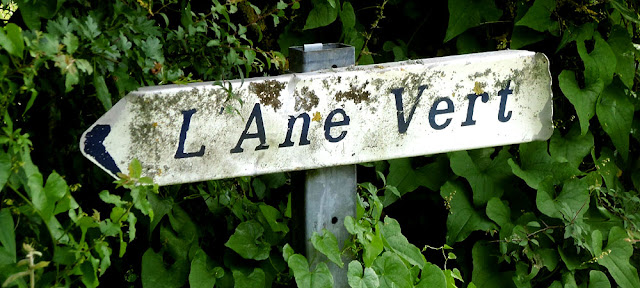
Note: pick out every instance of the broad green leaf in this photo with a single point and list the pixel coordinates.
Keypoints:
(536, 165)
(155, 273)
(272, 215)
(54, 190)
(488, 177)
(7, 238)
(391, 271)
(499, 212)
(432, 277)
(319, 278)
(396, 242)
(486, 274)
(111, 198)
(467, 14)
(548, 258)
(71, 42)
(463, 218)
(5, 168)
(597, 279)
(571, 147)
(247, 241)
(322, 14)
(616, 259)
(583, 100)
(600, 63)
(406, 179)
(11, 39)
(627, 13)
(372, 248)
(578, 34)
(140, 200)
(102, 92)
(89, 272)
(359, 278)
(327, 244)
(523, 36)
(570, 203)
(607, 168)
(615, 114)
(621, 45)
(253, 280)
(538, 17)
(160, 208)
(347, 16)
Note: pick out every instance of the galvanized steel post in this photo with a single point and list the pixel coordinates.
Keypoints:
(330, 193)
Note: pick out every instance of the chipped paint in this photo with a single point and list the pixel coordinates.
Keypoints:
(341, 116)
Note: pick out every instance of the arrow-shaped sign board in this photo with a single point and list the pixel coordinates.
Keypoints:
(203, 131)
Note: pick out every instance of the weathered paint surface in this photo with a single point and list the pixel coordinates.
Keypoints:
(196, 132)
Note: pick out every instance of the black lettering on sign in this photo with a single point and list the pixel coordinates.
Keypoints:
(328, 123)
(435, 112)
(403, 124)
(256, 115)
(304, 140)
(472, 102)
(504, 93)
(186, 121)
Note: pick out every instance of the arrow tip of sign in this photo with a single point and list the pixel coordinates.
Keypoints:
(94, 147)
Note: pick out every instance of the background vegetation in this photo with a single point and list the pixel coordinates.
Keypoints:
(560, 213)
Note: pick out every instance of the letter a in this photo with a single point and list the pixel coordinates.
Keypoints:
(256, 115)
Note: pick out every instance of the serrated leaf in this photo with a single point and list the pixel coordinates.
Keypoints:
(583, 100)
(318, 278)
(327, 244)
(322, 14)
(488, 177)
(253, 280)
(463, 218)
(391, 271)
(538, 17)
(102, 92)
(571, 147)
(396, 242)
(359, 278)
(619, 250)
(467, 14)
(71, 42)
(536, 165)
(247, 241)
(615, 114)
(153, 49)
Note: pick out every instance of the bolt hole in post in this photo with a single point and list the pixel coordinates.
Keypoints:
(334, 220)
(334, 66)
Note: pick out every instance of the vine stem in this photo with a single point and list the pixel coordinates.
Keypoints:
(373, 27)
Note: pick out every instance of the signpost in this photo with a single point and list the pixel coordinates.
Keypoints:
(301, 121)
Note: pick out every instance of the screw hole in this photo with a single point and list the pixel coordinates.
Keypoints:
(334, 220)
(334, 66)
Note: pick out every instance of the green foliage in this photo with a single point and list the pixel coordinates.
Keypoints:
(558, 213)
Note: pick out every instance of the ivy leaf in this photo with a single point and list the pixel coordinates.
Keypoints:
(357, 278)
(391, 271)
(571, 147)
(322, 14)
(498, 212)
(570, 203)
(597, 279)
(600, 63)
(396, 242)
(622, 47)
(255, 279)
(432, 277)
(467, 14)
(247, 242)
(615, 114)
(583, 100)
(485, 271)
(536, 165)
(619, 249)
(463, 218)
(538, 17)
(11, 39)
(327, 244)
(406, 179)
(319, 278)
(488, 177)
(7, 238)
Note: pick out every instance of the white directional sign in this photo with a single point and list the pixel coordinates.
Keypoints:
(196, 132)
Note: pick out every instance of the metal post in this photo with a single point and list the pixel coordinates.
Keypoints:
(330, 193)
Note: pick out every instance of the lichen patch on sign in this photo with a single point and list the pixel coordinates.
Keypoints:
(305, 100)
(268, 92)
